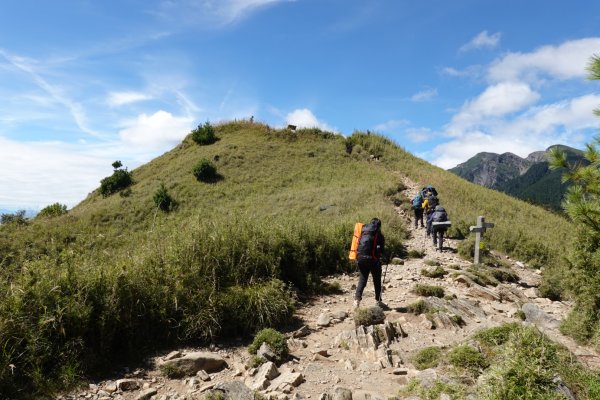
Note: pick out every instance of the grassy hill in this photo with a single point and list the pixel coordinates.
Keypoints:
(116, 277)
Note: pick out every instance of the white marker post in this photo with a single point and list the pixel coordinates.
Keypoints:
(479, 230)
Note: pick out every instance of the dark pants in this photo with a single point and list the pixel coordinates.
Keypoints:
(418, 217)
(438, 237)
(429, 221)
(366, 266)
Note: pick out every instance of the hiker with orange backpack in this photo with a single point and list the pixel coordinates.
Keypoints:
(371, 249)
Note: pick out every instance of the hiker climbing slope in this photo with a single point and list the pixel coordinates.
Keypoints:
(431, 201)
(371, 248)
(417, 206)
(438, 216)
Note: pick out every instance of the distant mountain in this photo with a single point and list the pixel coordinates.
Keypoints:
(528, 178)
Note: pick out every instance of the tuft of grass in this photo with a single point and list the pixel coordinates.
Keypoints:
(467, 358)
(431, 263)
(419, 307)
(276, 340)
(497, 335)
(435, 390)
(428, 357)
(438, 272)
(171, 371)
(428, 290)
(368, 316)
(415, 253)
(256, 361)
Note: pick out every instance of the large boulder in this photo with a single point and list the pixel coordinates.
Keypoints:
(191, 363)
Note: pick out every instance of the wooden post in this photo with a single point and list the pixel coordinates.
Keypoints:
(479, 230)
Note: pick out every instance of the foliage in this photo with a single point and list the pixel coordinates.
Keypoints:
(428, 357)
(204, 134)
(205, 171)
(276, 340)
(435, 390)
(428, 290)
(368, 316)
(438, 272)
(468, 358)
(416, 254)
(418, 307)
(53, 210)
(582, 205)
(16, 218)
(119, 180)
(163, 199)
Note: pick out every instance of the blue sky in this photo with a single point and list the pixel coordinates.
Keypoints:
(87, 82)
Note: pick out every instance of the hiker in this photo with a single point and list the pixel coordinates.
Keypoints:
(429, 207)
(428, 190)
(439, 215)
(417, 206)
(371, 248)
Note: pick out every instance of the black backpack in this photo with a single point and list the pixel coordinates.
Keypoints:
(367, 245)
(439, 215)
(432, 202)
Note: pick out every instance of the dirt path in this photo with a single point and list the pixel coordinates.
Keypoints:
(326, 360)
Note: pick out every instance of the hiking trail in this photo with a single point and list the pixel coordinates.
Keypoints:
(332, 359)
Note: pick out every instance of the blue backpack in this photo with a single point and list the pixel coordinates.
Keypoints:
(417, 202)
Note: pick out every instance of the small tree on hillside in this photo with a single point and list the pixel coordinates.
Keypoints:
(204, 134)
(119, 180)
(163, 199)
(18, 218)
(582, 205)
(205, 171)
(53, 210)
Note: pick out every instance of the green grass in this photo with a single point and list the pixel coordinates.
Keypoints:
(428, 290)
(466, 357)
(276, 340)
(427, 357)
(438, 272)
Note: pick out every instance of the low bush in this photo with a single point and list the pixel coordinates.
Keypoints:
(468, 358)
(53, 210)
(416, 254)
(432, 263)
(428, 290)
(163, 199)
(419, 307)
(368, 316)
(428, 357)
(119, 180)
(438, 272)
(497, 335)
(276, 340)
(204, 134)
(205, 171)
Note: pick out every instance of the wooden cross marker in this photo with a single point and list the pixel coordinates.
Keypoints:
(479, 230)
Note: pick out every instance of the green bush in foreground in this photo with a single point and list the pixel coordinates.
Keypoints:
(368, 316)
(429, 290)
(428, 357)
(468, 358)
(276, 340)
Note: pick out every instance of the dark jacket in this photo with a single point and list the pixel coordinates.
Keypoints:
(372, 243)
(439, 214)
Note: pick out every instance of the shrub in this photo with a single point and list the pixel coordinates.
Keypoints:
(429, 290)
(418, 307)
(204, 134)
(497, 335)
(276, 340)
(468, 358)
(438, 272)
(18, 218)
(428, 357)
(416, 254)
(205, 171)
(368, 316)
(162, 199)
(119, 180)
(53, 210)
(431, 263)
(171, 371)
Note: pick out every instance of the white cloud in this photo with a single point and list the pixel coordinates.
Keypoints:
(424, 95)
(116, 99)
(483, 39)
(419, 135)
(157, 130)
(536, 129)
(566, 61)
(304, 118)
(35, 174)
(390, 125)
(496, 101)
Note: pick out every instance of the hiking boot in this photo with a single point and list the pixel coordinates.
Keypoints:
(382, 305)
(356, 303)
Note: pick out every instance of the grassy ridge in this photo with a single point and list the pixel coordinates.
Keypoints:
(116, 276)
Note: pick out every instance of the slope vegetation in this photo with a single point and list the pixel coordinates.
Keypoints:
(117, 277)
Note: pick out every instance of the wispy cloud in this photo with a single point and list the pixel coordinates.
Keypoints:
(419, 135)
(116, 99)
(390, 125)
(28, 67)
(483, 39)
(159, 130)
(424, 95)
(565, 61)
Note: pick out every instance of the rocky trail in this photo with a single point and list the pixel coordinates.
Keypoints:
(333, 359)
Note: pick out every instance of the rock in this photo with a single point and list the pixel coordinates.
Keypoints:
(400, 371)
(341, 315)
(292, 379)
(172, 355)
(263, 377)
(397, 261)
(265, 351)
(427, 377)
(370, 337)
(128, 384)
(110, 387)
(324, 319)
(191, 363)
(367, 395)
(465, 280)
(532, 293)
(296, 344)
(234, 390)
(302, 332)
(538, 317)
(340, 393)
(425, 322)
(146, 394)
(476, 290)
(203, 375)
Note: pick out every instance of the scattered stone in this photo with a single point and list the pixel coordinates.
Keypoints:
(202, 374)
(172, 355)
(265, 351)
(465, 280)
(128, 384)
(476, 290)
(532, 293)
(291, 379)
(234, 390)
(538, 317)
(110, 387)
(324, 319)
(341, 315)
(340, 393)
(146, 394)
(302, 332)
